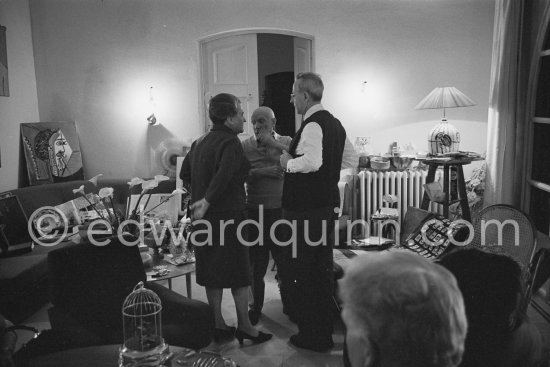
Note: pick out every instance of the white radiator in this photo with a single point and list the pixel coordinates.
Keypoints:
(406, 185)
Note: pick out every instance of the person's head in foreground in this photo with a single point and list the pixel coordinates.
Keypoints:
(499, 333)
(491, 285)
(401, 310)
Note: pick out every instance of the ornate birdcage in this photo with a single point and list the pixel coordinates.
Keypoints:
(142, 327)
(443, 138)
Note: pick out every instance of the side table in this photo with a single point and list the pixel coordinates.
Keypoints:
(447, 164)
(175, 271)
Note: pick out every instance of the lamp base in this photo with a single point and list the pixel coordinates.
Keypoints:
(443, 138)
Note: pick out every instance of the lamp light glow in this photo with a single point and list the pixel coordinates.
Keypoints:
(444, 137)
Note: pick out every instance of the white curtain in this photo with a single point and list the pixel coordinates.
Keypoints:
(503, 155)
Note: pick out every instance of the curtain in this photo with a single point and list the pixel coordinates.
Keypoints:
(504, 150)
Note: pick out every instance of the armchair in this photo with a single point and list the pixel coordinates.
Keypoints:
(88, 285)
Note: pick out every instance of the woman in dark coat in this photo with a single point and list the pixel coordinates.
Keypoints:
(214, 170)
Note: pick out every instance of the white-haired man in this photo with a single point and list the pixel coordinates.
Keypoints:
(401, 310)
(264, 189)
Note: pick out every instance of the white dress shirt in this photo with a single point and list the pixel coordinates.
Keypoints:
(310, 147)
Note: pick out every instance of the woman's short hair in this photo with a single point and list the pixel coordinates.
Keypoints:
(312, 84)
(410, 310)
(222, 106)
(492, 287)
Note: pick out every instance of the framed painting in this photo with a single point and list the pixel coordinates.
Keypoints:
(52, 152)
(4, 85)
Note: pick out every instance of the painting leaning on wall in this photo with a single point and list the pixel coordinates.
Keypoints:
(52, 152)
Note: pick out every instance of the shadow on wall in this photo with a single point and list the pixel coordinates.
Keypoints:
(164, 148)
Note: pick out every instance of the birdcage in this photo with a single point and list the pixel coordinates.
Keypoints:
(142, 327)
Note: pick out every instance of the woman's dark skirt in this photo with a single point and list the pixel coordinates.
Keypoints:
(221, 259)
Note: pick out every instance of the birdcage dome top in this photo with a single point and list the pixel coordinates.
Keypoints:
(141, 302)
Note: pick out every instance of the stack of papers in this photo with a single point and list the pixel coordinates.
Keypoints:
(372, 241)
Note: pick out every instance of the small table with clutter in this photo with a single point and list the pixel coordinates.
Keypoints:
(450, 162)
(167, 254)
(163, 269)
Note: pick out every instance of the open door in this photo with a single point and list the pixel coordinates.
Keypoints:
(231, 66)
(229, 63)
(302, 63)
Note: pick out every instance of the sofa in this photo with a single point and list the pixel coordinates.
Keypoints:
(24, 276)
(89, 284)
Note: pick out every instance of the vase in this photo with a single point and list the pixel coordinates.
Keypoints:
(157, 254)
(132, 227)
(146, 259)
(99, 232)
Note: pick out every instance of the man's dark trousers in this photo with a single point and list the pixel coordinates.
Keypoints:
(259, 255)
(310, 273)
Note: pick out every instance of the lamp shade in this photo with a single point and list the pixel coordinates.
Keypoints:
(444, 97)
(444, 137)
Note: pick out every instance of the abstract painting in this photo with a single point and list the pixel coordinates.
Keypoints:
(52, 152)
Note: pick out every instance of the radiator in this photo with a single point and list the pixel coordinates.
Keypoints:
(406, 185)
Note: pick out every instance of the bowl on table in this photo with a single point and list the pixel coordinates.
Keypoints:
(379, 163)
(401, 162)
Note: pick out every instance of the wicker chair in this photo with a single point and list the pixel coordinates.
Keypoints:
(504, 229)
(538, 274)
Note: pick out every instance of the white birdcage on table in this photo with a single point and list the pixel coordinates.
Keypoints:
(142, 327)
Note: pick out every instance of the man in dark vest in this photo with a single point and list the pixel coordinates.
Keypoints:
(311, 200)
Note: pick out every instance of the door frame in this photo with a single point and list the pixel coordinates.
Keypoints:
(236, 32)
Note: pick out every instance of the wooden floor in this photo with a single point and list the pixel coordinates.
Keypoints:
(276, 352)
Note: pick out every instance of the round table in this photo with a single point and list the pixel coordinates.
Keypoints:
(97, 356)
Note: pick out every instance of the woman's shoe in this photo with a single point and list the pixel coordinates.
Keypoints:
(262, 337)
(223, 334)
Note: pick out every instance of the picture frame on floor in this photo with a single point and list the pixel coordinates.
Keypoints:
(52, 152)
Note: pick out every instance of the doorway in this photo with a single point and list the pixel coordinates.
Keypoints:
(258, 66)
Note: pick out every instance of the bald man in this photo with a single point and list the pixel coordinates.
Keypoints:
(264, 189)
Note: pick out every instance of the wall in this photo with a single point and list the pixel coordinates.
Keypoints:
(96, 59)
(22, 104)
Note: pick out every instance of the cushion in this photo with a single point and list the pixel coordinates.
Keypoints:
(432, 237)
(413, 218)
(82, 277)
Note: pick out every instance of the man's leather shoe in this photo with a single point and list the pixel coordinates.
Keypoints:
(254, 316)
(317, 346)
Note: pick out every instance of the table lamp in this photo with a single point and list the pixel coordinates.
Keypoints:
(444, 137)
